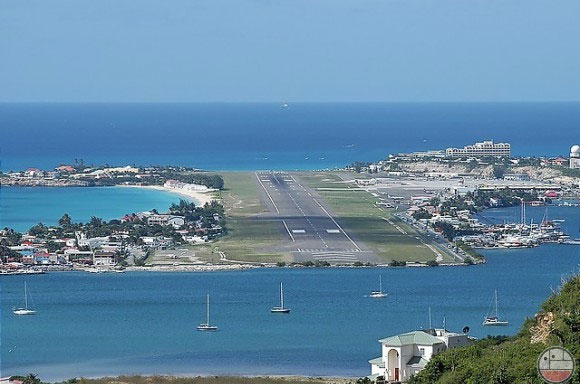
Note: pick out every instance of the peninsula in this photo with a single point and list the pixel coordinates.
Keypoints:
(417, 209)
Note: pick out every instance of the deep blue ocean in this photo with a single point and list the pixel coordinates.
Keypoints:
(267, 136)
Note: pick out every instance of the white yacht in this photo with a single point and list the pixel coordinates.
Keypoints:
(207, 326)
(25, 310)
(493, 318)
(379, 294)
(281, 308)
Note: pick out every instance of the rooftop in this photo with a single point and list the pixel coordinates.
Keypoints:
(415, 337)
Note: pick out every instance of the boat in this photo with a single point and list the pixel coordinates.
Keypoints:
(25, 310)
(281, 308)
(493, 319)
(379, 294)
(207, 326)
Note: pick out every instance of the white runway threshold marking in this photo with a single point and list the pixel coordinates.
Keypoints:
(330, 217)
(332, 231)
(298, 231)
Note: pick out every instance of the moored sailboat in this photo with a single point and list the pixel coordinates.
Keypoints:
(207, 325)
(25, 310)
(281, 308)
(379, 294)
(493, 319)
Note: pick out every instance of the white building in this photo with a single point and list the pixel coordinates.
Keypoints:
(104, 259)
(406, 354)
(166, 220)
(175, 184)
(575, 157)
(485, 148)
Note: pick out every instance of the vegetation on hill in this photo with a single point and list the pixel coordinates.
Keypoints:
(499, 360)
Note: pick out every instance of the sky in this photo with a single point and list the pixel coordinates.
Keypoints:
(289, 50)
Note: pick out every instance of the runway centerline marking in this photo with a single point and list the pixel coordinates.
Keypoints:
(330, 216)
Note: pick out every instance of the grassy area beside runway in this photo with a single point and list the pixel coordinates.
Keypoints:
(240, 194)
(377, 228)
(249, 238)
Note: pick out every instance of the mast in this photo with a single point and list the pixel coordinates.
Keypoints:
(496, 313)
(207, 310)
(281, 296)
(380, 284)
(25, 296)
(430, 324)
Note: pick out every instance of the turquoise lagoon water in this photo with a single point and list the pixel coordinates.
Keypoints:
(23, 207)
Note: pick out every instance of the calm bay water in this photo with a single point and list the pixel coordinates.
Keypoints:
(23, 207)
(266, 136)
(145, 322)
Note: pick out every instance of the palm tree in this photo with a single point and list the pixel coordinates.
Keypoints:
(31, 378)
(65, 220)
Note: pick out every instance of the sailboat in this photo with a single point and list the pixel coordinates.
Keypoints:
(379, 294)
(281, 308)
(25, 310)
(207, 326)
(493, 318)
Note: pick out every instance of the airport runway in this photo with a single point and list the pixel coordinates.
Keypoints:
(311, 231)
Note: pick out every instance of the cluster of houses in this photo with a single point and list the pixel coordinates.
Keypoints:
(191, 233)
(34, 251)
(69, 175)
(479, 235)
(106, 251)
(70, 172)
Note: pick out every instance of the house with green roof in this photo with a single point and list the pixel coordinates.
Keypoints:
(406, 354)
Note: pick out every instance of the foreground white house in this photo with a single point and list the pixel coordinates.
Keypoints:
(406, 354)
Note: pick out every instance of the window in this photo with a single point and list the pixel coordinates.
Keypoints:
(422, 350)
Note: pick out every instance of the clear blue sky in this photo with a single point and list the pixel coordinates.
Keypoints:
(289, 50)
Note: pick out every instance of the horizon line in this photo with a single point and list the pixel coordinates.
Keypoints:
(304, 102)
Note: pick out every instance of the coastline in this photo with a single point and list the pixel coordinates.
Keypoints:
(199, 198)
(212, 379)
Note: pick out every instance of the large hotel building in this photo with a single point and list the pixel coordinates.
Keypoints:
(485, 148)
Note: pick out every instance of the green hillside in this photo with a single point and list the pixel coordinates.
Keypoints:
(513, 360)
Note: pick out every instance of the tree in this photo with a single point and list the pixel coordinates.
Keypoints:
(6, 253)
(498, 171)
(65, 221)
(31, 379)
(96, 222)
(38, 230)
(432, 263)
(53, 246)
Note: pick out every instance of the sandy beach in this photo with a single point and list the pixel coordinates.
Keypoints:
(200, 198)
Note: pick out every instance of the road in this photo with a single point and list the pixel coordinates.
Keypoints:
(308, 227)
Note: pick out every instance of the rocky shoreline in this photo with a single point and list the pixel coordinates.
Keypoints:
(29, 182)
